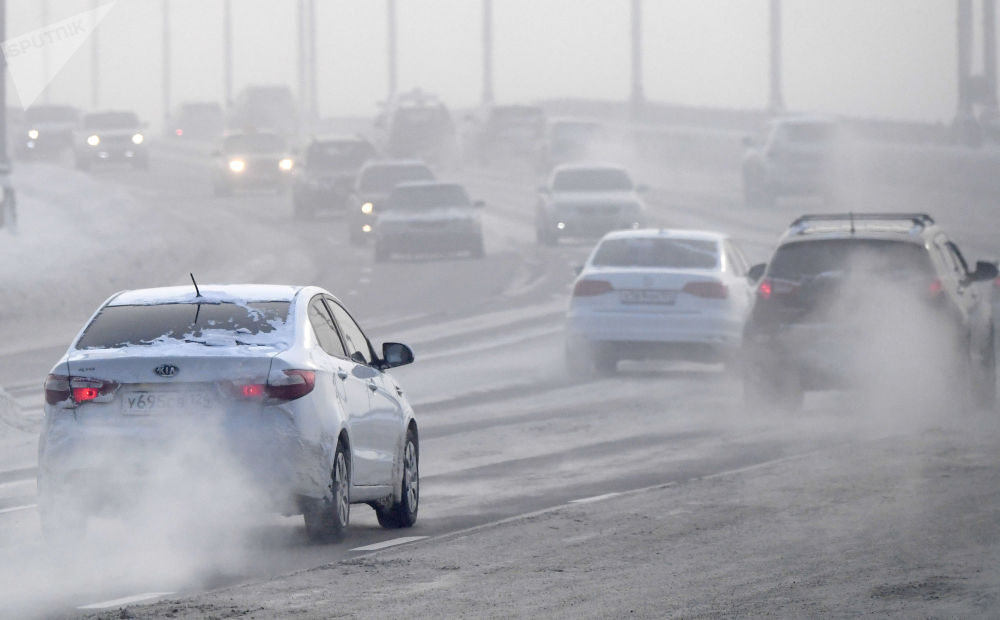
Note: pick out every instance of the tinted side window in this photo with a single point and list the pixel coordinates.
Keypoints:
(325, 329)
(354, 338)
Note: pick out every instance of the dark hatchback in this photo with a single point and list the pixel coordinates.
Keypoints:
(875, 300)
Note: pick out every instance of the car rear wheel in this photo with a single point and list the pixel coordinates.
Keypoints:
(587, 361)
(327, 518)
(403, 510)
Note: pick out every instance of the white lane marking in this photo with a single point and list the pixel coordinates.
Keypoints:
(389, 543)
(17, 508)
(138, 598)
(596, 498)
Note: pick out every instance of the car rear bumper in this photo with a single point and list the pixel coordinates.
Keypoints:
(718, 331)
(429, 241)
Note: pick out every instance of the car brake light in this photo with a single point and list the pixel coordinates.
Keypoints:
(295, 384)
(76, 390)
(764, 289)
(935, 287)
(590, 288)
(83, 394)
(708, 289)
(179, 131)
(252, 390)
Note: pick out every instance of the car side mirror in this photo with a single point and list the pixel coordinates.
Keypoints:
(395, 354)
(984, 271)
(479, 204)
(756, 272)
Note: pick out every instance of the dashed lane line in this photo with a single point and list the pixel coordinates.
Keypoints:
(118, 602)
(595, 498)
(385, 544)
(18, 508)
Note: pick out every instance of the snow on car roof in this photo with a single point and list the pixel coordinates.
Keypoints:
(210, 293)
(673, 233)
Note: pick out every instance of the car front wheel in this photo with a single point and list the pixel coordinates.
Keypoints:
(403, 510)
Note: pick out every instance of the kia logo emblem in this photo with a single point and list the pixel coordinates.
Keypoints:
(166, 370)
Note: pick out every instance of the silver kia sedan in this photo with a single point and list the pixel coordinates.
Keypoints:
(276, 386)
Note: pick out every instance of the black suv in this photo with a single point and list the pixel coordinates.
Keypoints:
(873, 300)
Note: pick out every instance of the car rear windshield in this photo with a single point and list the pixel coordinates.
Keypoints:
(384, 178)
(666, 253)
(254, 143)
(111, 120)
(428, 197)
(592, 180)
(796, 261)
(339, 154)
(213, 324)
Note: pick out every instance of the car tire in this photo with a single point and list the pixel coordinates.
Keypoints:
(327, 518)
(986, 385)
(586, 361)
(402, 512)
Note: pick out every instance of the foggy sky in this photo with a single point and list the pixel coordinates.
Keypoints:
(891, 58)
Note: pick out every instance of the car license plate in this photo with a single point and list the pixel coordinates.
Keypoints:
(149, 403)
(647, 296)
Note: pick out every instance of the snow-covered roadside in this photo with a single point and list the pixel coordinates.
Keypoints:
(83, 237)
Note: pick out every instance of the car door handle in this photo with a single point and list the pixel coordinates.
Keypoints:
(372, 386)
(342, 374)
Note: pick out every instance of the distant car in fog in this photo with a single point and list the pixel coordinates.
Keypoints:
(260, 160)
(274, 389)
(588, 200)
(428, 218)
(571, 140)
(506, 133)
(798, 157)
(657, 294)
(372, 186)
(197, 120)
(265, 108)
(110, 136)
(851, 299)
(419, 126)
(47, 130)
(325, 174)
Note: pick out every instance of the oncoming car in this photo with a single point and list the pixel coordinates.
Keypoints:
(588, 200)
(279, 379)
(799, 157)
(110, 136)
(372, 186)
(428, 217)
(258, 160)
(657, 294)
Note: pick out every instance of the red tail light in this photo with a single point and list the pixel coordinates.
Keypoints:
(295, 384)
(764, 289)
(591, 288)
(252, 390)
(76, 390)
(708, 289)
(179, 131)
(935, 287)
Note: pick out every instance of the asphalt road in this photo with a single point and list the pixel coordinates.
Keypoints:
(505, 434)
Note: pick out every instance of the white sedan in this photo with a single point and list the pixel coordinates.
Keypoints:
(657, 294)
(273, 390)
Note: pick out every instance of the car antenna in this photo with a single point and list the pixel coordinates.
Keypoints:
(849, 213)
(197, 293)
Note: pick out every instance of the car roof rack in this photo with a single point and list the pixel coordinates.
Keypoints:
(805, 222)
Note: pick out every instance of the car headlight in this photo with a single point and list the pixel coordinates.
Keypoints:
(137, 138)
(286, 164)
(33, 134)
(237, 165)
(94, 140)
(367, 208)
